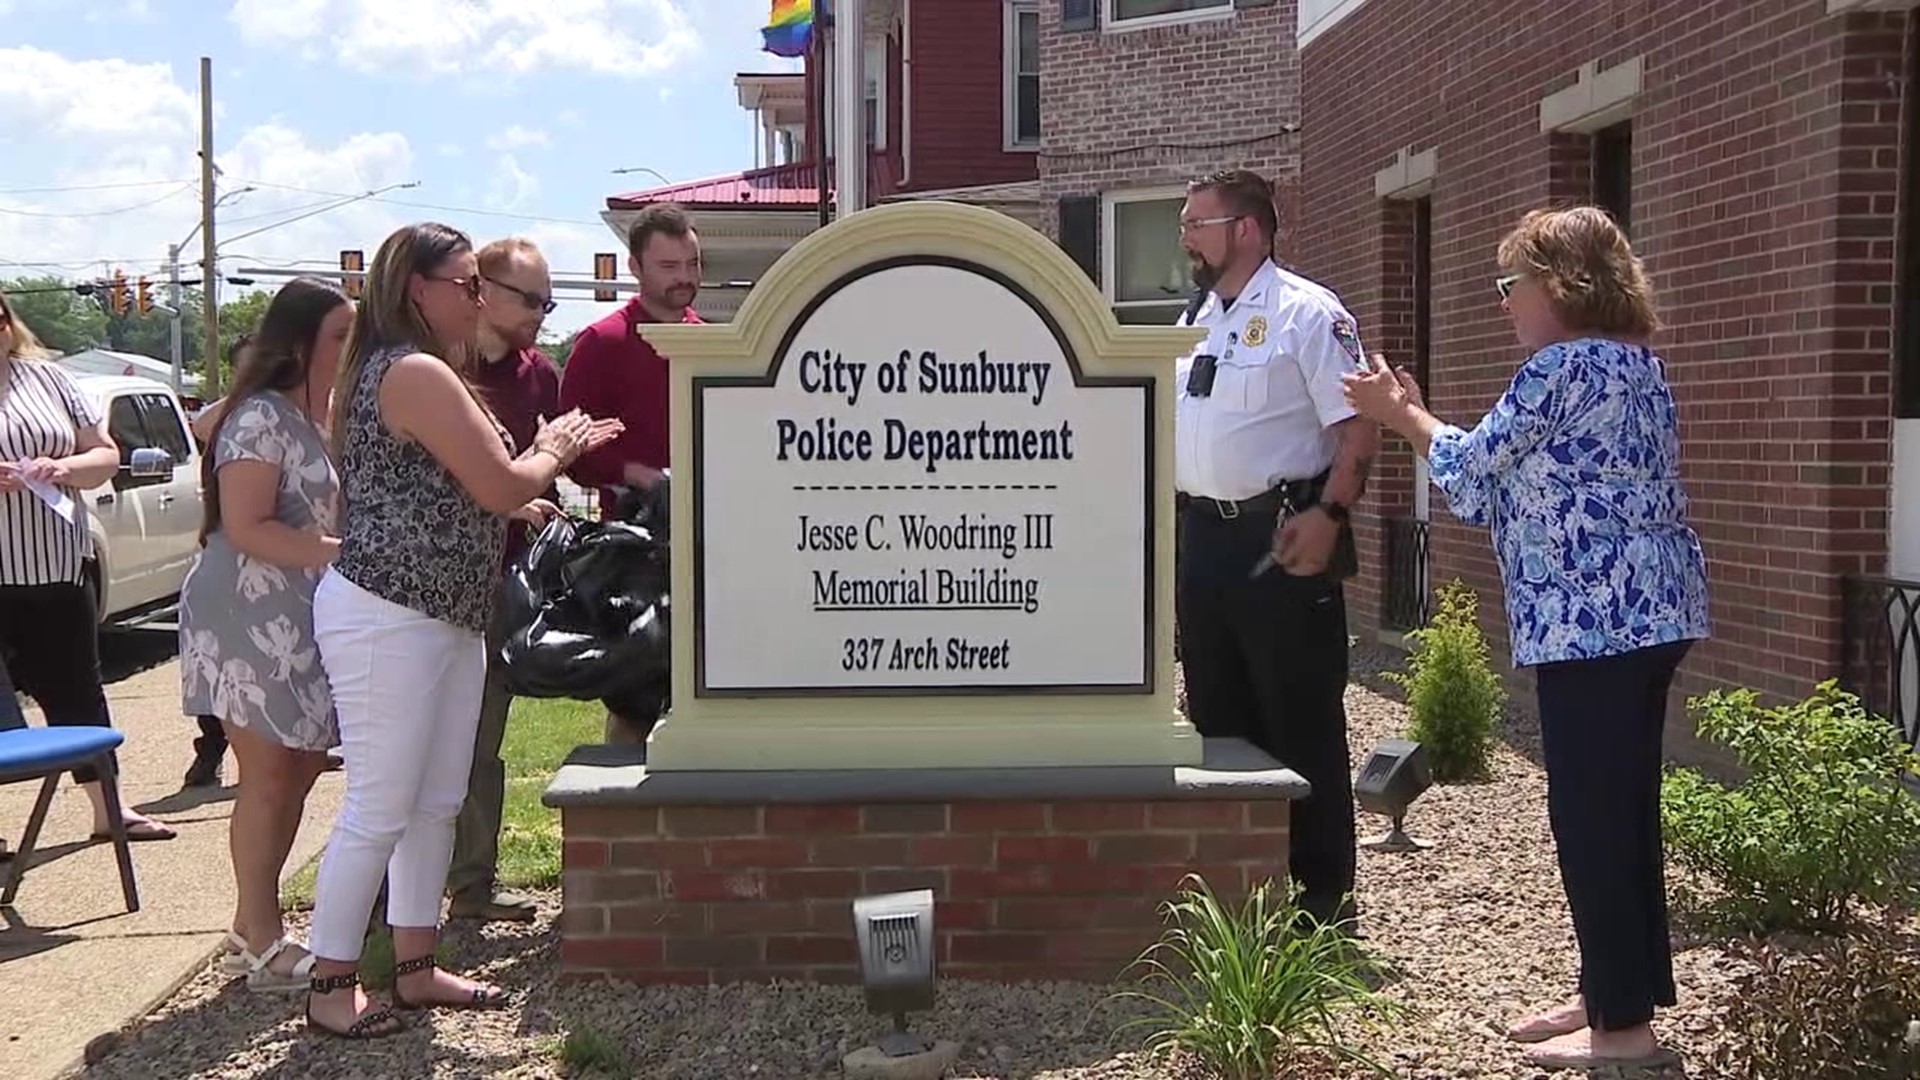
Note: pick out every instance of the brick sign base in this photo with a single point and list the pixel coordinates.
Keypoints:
(661, 888)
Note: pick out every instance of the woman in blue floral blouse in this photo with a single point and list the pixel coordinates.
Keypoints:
(1577, 472)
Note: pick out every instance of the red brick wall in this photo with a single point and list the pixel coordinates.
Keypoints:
(1160, 106)
(1766, 145)
(1024, 890)
(958, 76)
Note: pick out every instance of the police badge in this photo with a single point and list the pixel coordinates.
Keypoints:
(1349, 339)
(1256, 331)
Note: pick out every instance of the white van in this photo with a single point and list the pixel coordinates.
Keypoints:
(146, 520)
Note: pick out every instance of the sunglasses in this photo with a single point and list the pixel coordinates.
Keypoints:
(534, 301)
(471, 285)
(1504, 286)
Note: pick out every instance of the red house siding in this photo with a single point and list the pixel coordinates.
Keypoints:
(958, 97)
(1766, 144)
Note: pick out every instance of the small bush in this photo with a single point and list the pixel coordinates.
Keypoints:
(1452, 691)
(1257, 991)
(1823, 820)
(586, 1052)
(1849, 1007)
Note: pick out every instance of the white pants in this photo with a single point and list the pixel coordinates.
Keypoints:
(408, 690)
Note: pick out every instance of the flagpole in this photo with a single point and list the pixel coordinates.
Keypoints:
(817, 61)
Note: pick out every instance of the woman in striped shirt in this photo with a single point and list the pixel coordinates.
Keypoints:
(53, 442)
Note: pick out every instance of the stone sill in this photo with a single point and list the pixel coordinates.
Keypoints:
(604, 776)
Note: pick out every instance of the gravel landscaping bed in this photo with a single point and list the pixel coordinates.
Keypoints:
(1475, 930)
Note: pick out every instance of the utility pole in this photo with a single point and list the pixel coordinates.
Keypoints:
(209, 278)
(174, 328)
(849, 107)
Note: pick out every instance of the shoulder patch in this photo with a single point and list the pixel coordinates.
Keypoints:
(1256, 331)
(1348, 336)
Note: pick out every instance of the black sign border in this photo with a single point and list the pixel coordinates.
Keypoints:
(769, 378)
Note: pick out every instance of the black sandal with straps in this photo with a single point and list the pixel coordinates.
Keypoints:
(373, 1024)
(483, 997)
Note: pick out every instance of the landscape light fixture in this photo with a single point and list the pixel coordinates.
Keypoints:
(895, 932)
(1395, 774)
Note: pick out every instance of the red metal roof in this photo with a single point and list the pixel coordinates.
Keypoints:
(778, 186)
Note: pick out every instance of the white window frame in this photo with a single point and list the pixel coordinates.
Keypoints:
(1110, 248)
(1111, 22)
(874, 73)
(1010, 76)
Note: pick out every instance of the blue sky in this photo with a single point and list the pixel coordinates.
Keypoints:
(510, 115)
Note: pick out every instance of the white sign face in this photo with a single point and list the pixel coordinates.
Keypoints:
(922, 499)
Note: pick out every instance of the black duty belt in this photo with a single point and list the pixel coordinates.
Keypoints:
(1298, 494)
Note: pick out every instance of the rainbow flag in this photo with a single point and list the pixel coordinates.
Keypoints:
(789, 29)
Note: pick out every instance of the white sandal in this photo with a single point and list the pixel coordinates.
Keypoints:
(233, 955)
(262, 978)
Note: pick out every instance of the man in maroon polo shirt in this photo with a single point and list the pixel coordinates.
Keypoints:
(522, 387)
(613, 372)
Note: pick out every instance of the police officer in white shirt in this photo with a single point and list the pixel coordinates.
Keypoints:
(1268, 460)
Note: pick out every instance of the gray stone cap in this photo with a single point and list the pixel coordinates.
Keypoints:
(618, 776)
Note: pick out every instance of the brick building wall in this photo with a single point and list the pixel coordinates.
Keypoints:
(957, 100)
(1765, 145)
(1131, 109)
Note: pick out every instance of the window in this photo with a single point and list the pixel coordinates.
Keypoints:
(126, 428)
(1147, 274)
(1022, 68)
(1613, 173)
(1122, 12)
(874, 71)
(164, 427)
(1423, 292)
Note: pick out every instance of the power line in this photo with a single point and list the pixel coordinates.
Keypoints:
(95, 213)
(428, 206)
(89, 187)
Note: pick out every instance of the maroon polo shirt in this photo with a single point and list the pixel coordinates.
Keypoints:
(613, 372)
(520, 388)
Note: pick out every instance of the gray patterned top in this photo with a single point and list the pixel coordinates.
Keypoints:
(412, 534)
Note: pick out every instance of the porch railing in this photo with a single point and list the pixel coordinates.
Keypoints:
(1408, 599)
(1880, 647)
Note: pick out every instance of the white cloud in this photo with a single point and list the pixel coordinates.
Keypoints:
(624, 38)
(516, 137)
(513, 187)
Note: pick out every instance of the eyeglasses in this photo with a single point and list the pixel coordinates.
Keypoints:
(542, 304)
(1187, 225)
(1504, 286)
(472, 285)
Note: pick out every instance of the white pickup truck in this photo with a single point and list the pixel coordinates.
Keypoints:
(146, 520)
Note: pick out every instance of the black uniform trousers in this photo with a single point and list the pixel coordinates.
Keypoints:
(50, 635)
(1266, 661)
(1601, 722)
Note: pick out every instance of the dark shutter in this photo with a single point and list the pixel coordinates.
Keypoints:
(1078, 15)
(1080, 232)
(1243, 4)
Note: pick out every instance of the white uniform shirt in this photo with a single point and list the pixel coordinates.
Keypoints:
(1281, 350)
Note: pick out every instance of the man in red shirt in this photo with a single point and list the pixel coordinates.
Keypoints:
(613, 372)
(521, 385)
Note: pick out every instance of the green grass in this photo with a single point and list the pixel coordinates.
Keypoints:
(540, 735)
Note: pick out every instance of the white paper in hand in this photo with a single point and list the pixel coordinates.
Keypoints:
(59, 500)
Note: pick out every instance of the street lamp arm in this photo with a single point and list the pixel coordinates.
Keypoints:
(319, 210)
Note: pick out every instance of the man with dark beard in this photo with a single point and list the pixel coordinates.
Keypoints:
(521, 386)
(1268, 461)
(613, 372)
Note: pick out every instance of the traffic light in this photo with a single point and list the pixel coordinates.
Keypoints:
(117, 299)
(353, 262)
(143, 296)
(606, 267)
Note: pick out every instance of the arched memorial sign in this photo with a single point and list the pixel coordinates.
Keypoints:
(926, 491)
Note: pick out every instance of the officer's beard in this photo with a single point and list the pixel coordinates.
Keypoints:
(1205, 274)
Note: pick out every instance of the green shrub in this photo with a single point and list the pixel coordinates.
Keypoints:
(1452, 691)
(1822, 821)
(1255, 991)
(1850, 1006)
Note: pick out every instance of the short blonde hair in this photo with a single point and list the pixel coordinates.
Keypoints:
(1588, 269)
(498, 257)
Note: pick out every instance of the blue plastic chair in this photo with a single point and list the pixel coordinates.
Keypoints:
(44, 753)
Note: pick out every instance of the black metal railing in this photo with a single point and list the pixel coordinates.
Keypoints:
(1408, 598)
(1880, 647)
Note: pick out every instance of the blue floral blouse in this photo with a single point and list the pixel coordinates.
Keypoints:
(1577, 470)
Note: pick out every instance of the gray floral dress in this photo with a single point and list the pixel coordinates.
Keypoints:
(247, 653)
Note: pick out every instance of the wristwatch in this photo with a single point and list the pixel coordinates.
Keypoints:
(1333, 510)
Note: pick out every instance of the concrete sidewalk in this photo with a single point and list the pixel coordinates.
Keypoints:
(73, 964)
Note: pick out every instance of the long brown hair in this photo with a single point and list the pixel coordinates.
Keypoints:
(25, 345)
(278, 357)
(387, 315)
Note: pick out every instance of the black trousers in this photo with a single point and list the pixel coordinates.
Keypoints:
(1600, 728)
(50, 635)
(1266, 661)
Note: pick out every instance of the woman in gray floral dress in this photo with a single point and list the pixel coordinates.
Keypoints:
(247, 652)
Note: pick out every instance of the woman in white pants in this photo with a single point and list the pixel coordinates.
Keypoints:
(428, 481)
